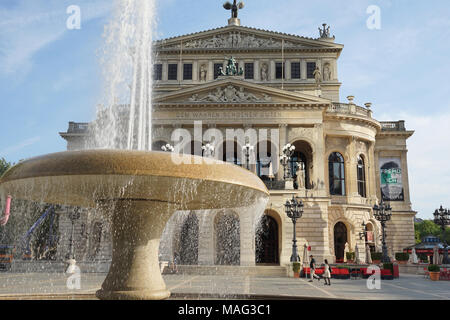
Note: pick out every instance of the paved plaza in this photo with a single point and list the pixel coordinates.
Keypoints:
(193, 287)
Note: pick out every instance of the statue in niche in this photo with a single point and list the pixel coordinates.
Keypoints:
(203, 73)
(264, 72)
(326, 72)
(317, 76)
(301, 175)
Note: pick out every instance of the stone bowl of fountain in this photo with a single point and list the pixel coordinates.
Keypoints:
(140, 190)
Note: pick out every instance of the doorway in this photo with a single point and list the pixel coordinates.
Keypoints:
(340, 239)
(267, 241)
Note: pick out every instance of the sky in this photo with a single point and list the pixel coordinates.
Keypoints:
(50, 75)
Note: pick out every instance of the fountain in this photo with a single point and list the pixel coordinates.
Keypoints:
(139, 189)
(142, 189)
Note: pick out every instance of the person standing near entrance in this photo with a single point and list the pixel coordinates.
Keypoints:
(327, 274)
(312, 266)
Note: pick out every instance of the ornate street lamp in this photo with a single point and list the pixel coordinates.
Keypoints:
(442, 219)
(383, 213)
(363, 235)
(285, 159)
(208, 150)
(74, 215)
(168, 148)
(294, 210)
(247, 149)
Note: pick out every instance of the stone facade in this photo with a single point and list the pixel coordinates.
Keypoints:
(288, 107)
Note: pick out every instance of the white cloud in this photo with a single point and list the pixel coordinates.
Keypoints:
(28, 27)
(18, 147)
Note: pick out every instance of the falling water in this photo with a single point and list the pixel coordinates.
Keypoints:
(124, 117)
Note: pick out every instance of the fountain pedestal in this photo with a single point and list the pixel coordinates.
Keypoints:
(134, 274)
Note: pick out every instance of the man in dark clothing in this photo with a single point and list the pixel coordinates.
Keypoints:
(312, 266)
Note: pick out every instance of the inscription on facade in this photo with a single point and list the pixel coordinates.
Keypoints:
(217, 115)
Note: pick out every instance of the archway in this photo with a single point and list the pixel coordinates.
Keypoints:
(303, 154)
(266, 241)
(228, 239)
(340, 239)
(189, 241)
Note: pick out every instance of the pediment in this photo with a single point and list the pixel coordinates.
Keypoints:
(238, 37)
(231, 90)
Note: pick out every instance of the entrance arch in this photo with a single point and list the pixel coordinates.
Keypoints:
(189, 241)
(340, 239)
(266, 241)
(228, 239)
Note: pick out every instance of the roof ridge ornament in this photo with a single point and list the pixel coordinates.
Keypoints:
(325, 33)
(234, 7)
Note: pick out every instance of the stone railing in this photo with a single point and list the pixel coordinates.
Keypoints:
(348, 108)
(393, 125)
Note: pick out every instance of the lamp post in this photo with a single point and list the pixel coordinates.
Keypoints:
(285, 159)
(168, 148)
(294, 210)
(442, 218)
(74, 215)
(247, 149)
(208, 150)
(383, 213)
(363, 235)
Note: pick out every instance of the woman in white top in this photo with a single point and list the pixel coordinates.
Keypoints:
(327, 273)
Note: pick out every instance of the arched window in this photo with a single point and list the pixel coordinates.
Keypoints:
(336, 172)
(361, 176)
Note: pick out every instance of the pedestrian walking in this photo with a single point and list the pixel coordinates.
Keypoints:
(312, 266)
(327, 274)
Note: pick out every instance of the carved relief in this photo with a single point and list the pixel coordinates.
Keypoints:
(235, 40)
(230, 94)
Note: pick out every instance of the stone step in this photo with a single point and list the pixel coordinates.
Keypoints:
(273, 271)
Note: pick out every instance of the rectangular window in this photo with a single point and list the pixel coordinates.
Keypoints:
(217, 67)
(157, 72)
(173, 72)
(249, 71)
(279, 71)
(187, 71)
(310, 67)
(295, 70)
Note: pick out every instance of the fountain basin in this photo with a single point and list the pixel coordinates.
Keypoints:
(141, 190)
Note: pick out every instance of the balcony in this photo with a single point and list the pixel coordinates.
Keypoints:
(275, 184)
(78, 127)
(349, 109)
(393, 125)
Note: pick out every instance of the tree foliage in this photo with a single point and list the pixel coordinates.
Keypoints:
(428, 227)
(4, 165)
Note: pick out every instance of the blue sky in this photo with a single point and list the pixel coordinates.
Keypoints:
(50, 75)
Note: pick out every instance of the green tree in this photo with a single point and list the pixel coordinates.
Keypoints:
(428, 227)
(4, 165)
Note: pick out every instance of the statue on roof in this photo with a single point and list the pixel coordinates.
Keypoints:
(325, 32)
(234, 7)
(231, 69)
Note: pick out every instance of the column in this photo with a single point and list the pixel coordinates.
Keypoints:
(210, 75)
(287, 69)
(257, 71)
(195, 71)
(165, 71)
(282, 142)
(320, 163)
(272, 70)
(303, 72)
(205, 238)
(247, 238)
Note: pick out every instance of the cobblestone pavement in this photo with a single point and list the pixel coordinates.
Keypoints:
(53, 286)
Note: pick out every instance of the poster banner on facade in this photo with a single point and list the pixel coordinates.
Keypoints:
(391, 179)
